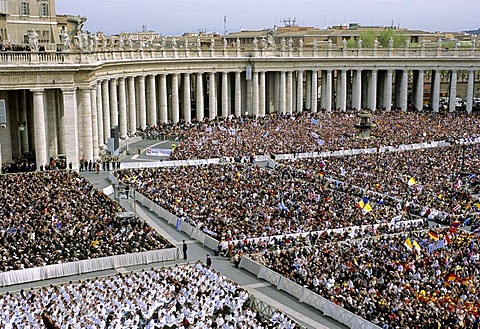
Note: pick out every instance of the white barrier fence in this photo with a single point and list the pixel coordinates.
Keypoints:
(306, 296)
(179, 224)
(85, 266)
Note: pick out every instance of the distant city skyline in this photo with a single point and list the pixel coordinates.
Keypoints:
(180, 16)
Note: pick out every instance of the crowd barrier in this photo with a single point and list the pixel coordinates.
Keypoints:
(306, 296)
(85, 266)
(179, 224)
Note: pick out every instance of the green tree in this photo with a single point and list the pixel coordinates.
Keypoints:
(387, 34)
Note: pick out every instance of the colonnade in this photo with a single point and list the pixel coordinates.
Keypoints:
(77, 121)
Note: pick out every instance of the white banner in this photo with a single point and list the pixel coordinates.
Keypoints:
(158, 152)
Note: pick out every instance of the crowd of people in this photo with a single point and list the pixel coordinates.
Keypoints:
(309, 132)
(188, 296)
(235, 202)
(441, 178)
(58, 216)
(385, 282)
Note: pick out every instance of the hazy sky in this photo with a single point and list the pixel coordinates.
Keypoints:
(178, 16)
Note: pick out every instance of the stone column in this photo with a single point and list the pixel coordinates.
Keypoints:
(187, 106)
(163, 99)
(23, 117)
(238, 94)
(70, 123)
(40, 129)
(151, 101)
(199, 97)
(289, 93)
(300, 91)
(175, 99)
(342, 100)
(106, 112)
(435, 91)
(323, 89)
(328, 91)
(87, 134)
(113, 103)
(225, 112)
(308, 90)
(418, 96)
(373, 90)
(453, 91)
(357, 90)
(387, 97)
(51, 116)
(122, 108)
(404, 91)
(314, 94)
(93, 102)
(261, 95)
(470, 86)
(142, 102)
(255, 110)
(132, 110)
(212, 97)
(283, 92)
(98, 99)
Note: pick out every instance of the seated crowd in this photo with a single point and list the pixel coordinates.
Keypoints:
(309, 132)
(57, 216)
(385, 282)
(442, 177)
(235, 202)
(190, 296)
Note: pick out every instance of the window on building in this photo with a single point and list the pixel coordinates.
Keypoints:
(44, 8)
(24, 8)
(3, 6)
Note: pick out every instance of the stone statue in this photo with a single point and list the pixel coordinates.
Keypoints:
(163, 42)
(212, 43)
(95, 41)
(360, 43)
(90, 43)
(271, 40)
(263, 43)
(390, 43)
(128, 41)
(185, 42)
(238, 43)
(199, 43)
(330, 44)
(174, 43)
(255, 43)
(111, 41)
(290, 44)
(300, 44)
(33, 40)
(283, 44)
(407, 43)
(474, 42)
(422, 44)
(121, 43)
(375, 43)
(315, 44)
(439, 43)
(81, 41)
(225, 44)
(65, 39)
(344, 43)
(457, 44)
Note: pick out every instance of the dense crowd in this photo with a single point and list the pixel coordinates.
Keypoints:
(57, 216)
(309, 132)
(439, 178)
(235, 202)
(392, 286)
(190, 296)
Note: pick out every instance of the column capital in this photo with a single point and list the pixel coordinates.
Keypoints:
(37, 90)
(69, 90)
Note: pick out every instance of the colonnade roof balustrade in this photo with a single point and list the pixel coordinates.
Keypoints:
(8, 58)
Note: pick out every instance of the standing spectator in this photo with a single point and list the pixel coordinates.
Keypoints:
(185, 248)
(209, 261)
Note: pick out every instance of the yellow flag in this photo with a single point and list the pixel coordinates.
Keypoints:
(411, 181)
